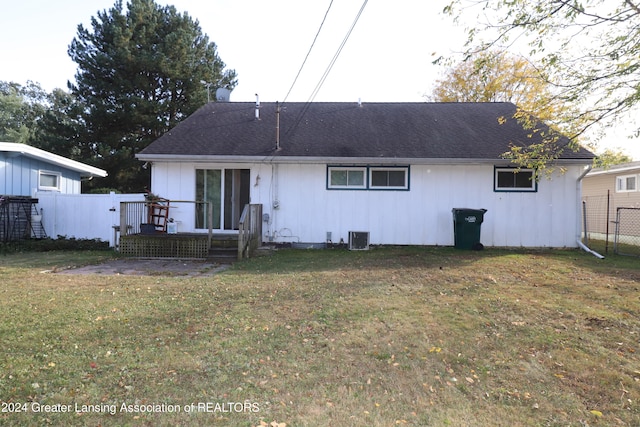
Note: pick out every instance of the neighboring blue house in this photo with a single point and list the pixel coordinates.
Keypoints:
(25, 170)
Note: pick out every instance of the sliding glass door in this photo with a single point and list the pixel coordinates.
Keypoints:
(228, 192)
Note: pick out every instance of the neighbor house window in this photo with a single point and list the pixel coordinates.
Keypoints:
(339, 177)
(396, 178)
(626, 183)
(48, 181)
(513, 179)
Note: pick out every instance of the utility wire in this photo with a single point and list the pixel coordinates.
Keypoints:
(328, 70)
(337, 54)
(309, 52)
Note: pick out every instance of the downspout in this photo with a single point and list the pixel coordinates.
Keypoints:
(579, 191)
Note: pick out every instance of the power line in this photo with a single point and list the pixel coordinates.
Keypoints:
(328, 70)
(337, 54)
(309, 52)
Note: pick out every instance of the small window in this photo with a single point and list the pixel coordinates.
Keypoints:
(626, 183)
(346, 177)
(389, 178)
(512, 179)
(48, 181)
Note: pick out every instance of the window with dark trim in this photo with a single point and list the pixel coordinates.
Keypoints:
(367, 177)
(351, 178)
(396, 178)
(514, 179)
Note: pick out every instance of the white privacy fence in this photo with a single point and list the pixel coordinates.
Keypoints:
(83, 216)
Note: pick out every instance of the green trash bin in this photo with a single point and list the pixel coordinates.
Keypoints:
(466, 228)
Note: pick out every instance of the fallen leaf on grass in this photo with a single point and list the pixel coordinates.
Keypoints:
(596, 413)
(271, 424)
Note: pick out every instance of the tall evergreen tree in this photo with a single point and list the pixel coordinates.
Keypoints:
(140, 72)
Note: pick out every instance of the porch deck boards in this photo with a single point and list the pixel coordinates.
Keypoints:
(181, 245)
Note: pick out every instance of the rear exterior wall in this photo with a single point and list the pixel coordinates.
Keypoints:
(301, 208)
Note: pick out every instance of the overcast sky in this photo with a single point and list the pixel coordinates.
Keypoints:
(387, 58)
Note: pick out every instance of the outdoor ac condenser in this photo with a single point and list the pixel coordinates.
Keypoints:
(358, 240)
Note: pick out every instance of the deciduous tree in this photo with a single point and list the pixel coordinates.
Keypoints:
(21, 108)
(497, 76)
(588, 50)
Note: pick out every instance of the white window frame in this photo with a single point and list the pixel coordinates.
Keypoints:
(622, 181)
(373, 169)
(531, 189)
(347, 169)
(58, 177)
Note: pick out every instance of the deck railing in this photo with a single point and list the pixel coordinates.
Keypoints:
(133, 214)
(249, 230)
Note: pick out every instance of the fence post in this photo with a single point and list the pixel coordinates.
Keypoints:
(615, 236)
(606, 241)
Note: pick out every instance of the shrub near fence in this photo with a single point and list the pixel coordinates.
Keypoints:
(83, 216)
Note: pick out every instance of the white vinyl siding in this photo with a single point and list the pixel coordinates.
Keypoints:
(299, 207)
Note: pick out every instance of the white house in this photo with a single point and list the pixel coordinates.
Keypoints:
(394, 170)
(25, 169)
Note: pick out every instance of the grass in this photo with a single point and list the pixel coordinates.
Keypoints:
(392, 336)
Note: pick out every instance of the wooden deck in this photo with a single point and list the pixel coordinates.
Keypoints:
(180, 245)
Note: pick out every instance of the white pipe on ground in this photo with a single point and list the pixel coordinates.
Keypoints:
(586, 249)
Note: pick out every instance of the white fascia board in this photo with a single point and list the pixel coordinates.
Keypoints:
(36, 153)
(337, 160)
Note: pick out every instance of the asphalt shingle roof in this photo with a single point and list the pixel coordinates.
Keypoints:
(349, 130)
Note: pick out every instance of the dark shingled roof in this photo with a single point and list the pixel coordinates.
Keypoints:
(349, 130)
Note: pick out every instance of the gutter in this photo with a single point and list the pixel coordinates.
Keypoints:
(269, 159)
(579, 191)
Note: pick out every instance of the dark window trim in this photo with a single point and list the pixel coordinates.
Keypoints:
(390, 188)
(346, 187)
(497, 189)
(367, 184)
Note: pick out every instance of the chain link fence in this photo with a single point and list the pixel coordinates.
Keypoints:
(607, 226)
(627, 232)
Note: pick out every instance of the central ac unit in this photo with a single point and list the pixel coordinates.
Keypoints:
(358, 240)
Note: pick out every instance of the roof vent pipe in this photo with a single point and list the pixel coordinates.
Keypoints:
(257, 107)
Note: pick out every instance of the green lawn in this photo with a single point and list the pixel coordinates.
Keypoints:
(391, 336)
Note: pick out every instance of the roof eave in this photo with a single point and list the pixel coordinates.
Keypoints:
(36, 153)
(338, 160)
